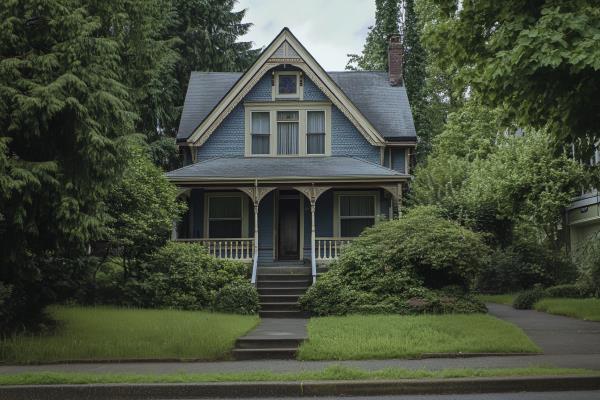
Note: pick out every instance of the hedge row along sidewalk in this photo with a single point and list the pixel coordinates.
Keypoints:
(101, 333)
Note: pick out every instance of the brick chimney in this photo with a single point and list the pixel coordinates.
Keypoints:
(395, 59)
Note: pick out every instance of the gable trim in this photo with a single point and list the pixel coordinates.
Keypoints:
(264, 63)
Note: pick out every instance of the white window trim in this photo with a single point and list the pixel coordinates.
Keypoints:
(302, 110)
(336, 206)
(244, 204)
(299, 95)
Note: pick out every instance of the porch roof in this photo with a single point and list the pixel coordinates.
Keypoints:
(284, 169)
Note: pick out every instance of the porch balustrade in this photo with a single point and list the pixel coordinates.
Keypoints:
(232, 248)
(328, 249)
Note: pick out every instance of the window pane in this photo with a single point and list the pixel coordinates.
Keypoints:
(353, 227)
(287, 138)
(315, 143)
(315, 121)
(357, 206)
(225, 229)
(287, 84)
(225, 207)
(260, 144)
(261, 123)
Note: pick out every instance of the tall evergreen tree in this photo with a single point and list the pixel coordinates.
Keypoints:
(374, 55)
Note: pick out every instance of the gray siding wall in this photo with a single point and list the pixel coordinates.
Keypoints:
(228, 139)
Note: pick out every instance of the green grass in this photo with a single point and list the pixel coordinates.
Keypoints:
(498, 298)
(391, 336)
(335, 372)
(588, 309)
(93, 333)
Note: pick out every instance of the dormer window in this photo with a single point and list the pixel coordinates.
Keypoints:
(287, 85)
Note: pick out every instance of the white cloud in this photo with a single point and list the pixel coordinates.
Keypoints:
(329, 29)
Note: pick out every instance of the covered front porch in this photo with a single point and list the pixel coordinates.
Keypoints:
(270, 219)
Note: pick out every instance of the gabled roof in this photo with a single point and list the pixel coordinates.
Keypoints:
(284, 49)
(385, 106)
(335, 168)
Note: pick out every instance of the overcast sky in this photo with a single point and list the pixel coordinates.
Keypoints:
(329, 29)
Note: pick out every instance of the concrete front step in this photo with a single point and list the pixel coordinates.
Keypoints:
(283, 314)
(289, 306)
(268, 343)
(284, 277)
(284, 270)
(283, 291)
(296, 283)
(284, 353)
(276, 298)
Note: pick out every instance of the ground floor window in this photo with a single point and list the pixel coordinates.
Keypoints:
(225, 215)
(355, 212)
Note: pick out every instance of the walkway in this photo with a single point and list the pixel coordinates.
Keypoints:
(553, 333)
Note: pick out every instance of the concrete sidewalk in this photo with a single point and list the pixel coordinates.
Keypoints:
(553, 333)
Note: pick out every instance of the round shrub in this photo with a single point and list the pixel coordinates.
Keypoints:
(570, 291)
(239, 297)
(525, 300)
(396, 261)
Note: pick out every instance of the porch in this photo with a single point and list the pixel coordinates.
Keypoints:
(266, 220)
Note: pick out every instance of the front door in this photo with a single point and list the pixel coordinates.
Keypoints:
(289, 228)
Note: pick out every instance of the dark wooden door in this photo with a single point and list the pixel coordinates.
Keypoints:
(289, 229)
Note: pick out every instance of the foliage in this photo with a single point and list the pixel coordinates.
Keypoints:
(516, 53)
(395, 266)
(526, 300)
(567, 290)
(355, 337)
(374, 56)
(63, 110)
(239, 297)
(185, 276)
(143, 207)
(101, 333)
(527, 261)
(589, 262)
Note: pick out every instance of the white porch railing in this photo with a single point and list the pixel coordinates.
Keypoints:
(328, 249)
(232, 248)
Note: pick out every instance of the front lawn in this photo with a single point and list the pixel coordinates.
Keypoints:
(100, 333)
(335, 372)
(588, 309)
(506, 299)
(393, 336)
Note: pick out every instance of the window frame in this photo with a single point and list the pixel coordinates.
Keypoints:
(337, 228)
(316, 133)
(244, 212)
(299, 95)
(260, 134)
(302, 108)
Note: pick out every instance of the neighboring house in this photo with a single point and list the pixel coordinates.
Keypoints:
(286, 161)
(583, 215)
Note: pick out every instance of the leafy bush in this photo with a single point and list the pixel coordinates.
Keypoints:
(589, 263)
(398, 266)
(573, 291)
(523, 264)
(239, 297)
(525, 300)
(184, 276)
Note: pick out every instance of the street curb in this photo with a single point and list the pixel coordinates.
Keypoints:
(299, 389)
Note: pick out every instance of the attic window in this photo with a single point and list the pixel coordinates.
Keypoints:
(287, 85)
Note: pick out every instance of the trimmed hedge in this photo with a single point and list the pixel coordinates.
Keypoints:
(525, 300)
(573, 291)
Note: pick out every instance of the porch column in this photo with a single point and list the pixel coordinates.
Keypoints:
(399, 201)
(174, 231)
(313, 237)
(255, 253)
(396, 192)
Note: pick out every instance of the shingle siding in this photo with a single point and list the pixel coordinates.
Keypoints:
(228, 139)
